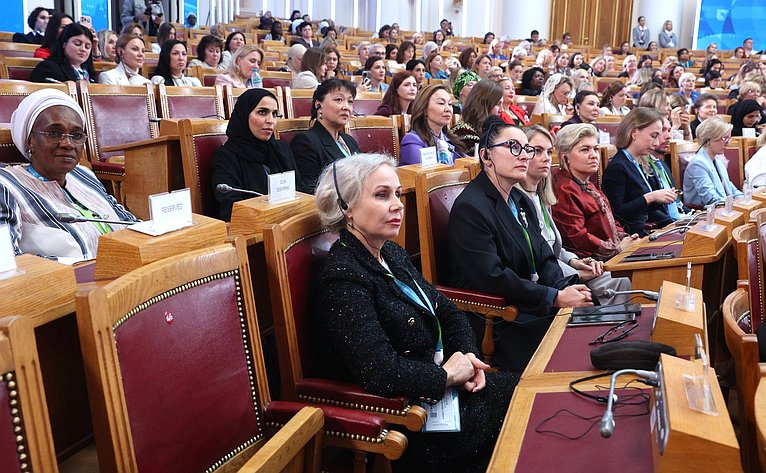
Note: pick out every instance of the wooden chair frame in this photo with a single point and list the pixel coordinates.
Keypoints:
(187, 131)
(230, 94)
(215, 92)
(377, 122)
(760, 416)
(17, 63)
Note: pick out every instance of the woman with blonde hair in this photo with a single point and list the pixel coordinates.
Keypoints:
(238, 75)
(706, 179)
(545, 59)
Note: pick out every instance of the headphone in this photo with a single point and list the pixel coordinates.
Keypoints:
(341, 203)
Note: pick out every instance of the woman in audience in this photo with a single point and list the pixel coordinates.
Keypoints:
(748, 90)
(538, 187)
(496, 50)
(645, 61)
(233, 42)
(545, 60)
(332, 60)
(325, 142)
(580, 78)
(555, 96)
(511, 113)
(107, 42)
(674, 73)
(678, 116)
(393, 35)
(391, 51)
(70, 58)
(485, 99)
(686, 82)
(598, 66)
(482, 65)
(462, 85)
(400, 95)
(250, 153)
(624, 49)
(56, 23)
(495, 247)
(130, 58)
(438, 37)
(748, 114)
(575, 61)
(48, 128)
(705, 107)
(133, 28)
(376, 70)
(755, 167)
(434, 66)
(739, 53)
(613, 100)
(431, 116)
(367, 289)
(562, 64)
(165, 32)
(239, 74)
(294, 59)
(583, 214)
(706, 179)
(629, 66)
(208, 53)
(406, 52)
(585, 105)
(172, 64)
(418, 69)
(276, 33)
(37, 22)
(417, 38)
(626, 179)
(532, 81)
(313, 70)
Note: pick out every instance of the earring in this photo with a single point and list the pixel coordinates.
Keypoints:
(320, 113)
(30, 152)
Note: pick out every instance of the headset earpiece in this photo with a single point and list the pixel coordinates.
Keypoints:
(341, 203)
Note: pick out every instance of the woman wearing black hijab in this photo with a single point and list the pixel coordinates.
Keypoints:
(747, 114)
(251, 152)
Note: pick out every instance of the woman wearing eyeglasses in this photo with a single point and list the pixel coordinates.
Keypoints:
(496, 246)
(706, 180)
(48, 128)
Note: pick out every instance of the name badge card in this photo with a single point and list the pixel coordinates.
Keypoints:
(444, 416)
(7, 256)
(748, 132)
(428, 156)
(169, 211)
(604, 138)
(281, 187)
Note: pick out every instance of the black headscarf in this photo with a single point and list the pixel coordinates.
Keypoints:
(740, 111)
(241, 139)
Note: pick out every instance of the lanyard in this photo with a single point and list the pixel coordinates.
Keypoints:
(515, 211)
(103, 228)
(424, 302)
(343, 147)
(638, 167)
(662, 176)
(81, 74)
(546, 219)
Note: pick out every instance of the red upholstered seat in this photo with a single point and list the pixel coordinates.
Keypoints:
(301, 107)
(289, 128)
(232, 94)
(376, 134)
(18, 68)
(191, 102)
(13, 92)
(364, 106)
(199, 141)
(273, 79)
(735, 165)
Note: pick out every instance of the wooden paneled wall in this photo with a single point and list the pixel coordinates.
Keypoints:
(592, 22)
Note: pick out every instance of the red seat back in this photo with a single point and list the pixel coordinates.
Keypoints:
(191, 102)
(440, 204)
(12, 93)
(302, 107)
(366, 106)
(290, 128)
(8, 151)
(734, 166)
(271, 82)
(199, 142)
(376, 135)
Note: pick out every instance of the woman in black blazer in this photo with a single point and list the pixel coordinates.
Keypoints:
(496, 250)
(628, 178)
(70, 58)
(325, 142)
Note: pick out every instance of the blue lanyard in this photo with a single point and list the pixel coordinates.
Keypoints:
(424, 302)
(36, 174)
(532, 266)
(341, 148)
(638, 167)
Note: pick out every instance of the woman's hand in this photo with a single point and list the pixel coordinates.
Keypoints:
(628, 241)
(576, 295)
(363, 86)
(587, 268)
(478, 381)
(459, 368)
(661, 196)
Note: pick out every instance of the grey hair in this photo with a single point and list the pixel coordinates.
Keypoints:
(570, 135)
(350, 173)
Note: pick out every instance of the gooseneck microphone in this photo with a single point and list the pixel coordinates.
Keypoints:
(680, 229)
(607, 421)
(70, 218)
(225, 189)
(651, 295)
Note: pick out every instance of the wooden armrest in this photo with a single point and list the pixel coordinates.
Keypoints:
(489, 305)
(138, 144)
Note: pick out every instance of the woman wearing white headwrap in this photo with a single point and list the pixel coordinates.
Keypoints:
(555, 96)
(48, 128)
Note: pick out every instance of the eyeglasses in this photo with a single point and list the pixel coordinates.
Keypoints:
(516, 148)
(56, 137)
(616, 333)
(726, 139)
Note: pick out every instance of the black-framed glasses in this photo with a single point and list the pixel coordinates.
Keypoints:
(616, 333)
(516, 148)
(56, 137)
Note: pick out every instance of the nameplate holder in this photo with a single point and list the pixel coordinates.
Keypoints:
(281, 187)
(250, 216)
(169, 211)
(604, 138)
(428, 156)
(702, 240)
(7, 256)
(748, 133)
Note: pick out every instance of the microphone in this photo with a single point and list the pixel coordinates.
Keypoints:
(682, 229)
(651, 295)
(70, 218)
(607, 421)
(225, 189)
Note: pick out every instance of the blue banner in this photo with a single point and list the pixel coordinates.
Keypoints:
(190, 6)
(729, 22)
(98, 11)
(13, 18)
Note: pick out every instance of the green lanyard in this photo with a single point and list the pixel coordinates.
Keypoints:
(515, 211)
(660, 171)
(548, 226)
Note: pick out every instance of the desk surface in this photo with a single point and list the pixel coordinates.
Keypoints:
(667, 243)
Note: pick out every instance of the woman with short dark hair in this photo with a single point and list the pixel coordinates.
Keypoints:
(70, 58)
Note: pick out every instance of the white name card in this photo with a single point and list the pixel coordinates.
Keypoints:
(428, 156)
(748, 132)
(604, 138)
(281, 187)
(7, 256)
(170, 211)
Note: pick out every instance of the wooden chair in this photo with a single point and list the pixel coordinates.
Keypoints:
(606, 152)
(294, 249)
(287, 129)
(760, 416)
(232, 94)
(116, 115)
(298, 102)
(191, 102)
(17, 49)
(9, 153)
(743, 236)
(609, 124)
(435, 194)
(199, 140)
(176, 374)
(26, 441)
(367, 103)
(681, 152)
(206, 75)
(735, 165)
(13, 92)
(527, 102)
(376, 134)
(18, 68)
(276, 79)
(749, 148)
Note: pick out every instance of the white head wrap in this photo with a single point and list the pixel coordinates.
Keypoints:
(24, 117)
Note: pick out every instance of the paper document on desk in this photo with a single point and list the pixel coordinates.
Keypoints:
(444, 416)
